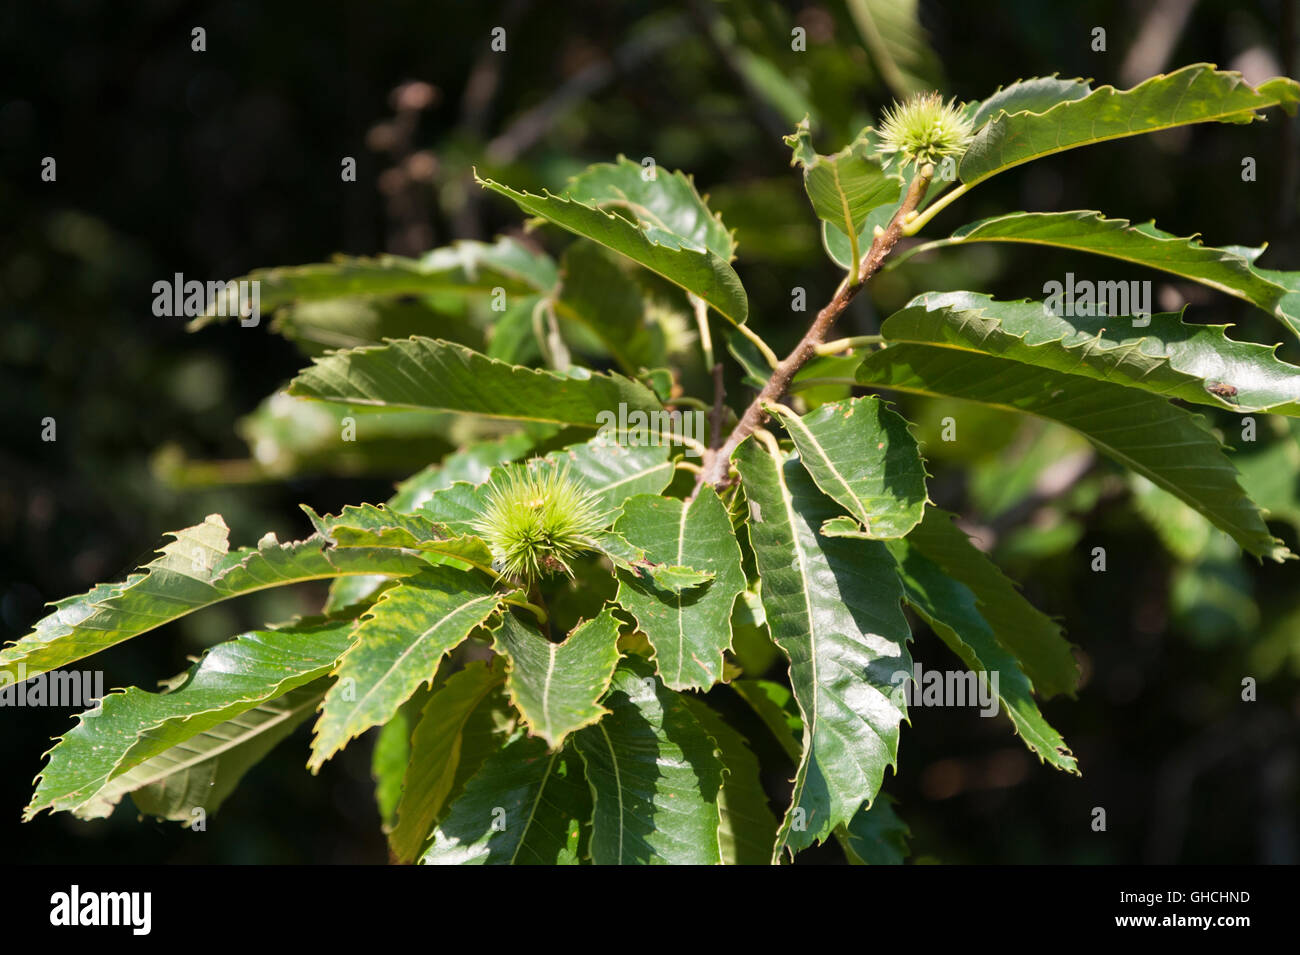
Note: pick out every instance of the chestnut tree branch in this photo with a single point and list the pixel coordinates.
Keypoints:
(717, 471)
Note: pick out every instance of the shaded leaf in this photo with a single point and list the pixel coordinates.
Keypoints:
(747, 829)
(654, 776)
(427, 373)
(689, 629)
(834, 608)
(1146, 433)
(951, 609)
(861, 454)
(1032, 637)
(846, 187)
(454, 735)
(465, 266)
(523, 807)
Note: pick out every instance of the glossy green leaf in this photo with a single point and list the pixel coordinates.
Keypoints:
(834, 608)
(390, 756)
(1194, 94)
(1035, 95)
(689, 629)
(1223, 269)
(192, 571)
(524, 806)
(846, 187)
(861, 454)
(557, 687)
(374, 525)
(93, 765)
(654, 775)
(1146, 433)
(398, 645)
(747, 829)
(427, 373)
(660, 223)
(1169, 358)
(875, 835)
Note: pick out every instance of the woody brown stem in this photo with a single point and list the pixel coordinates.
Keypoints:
(717, 471)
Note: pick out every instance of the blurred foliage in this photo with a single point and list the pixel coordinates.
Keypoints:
(212, 164)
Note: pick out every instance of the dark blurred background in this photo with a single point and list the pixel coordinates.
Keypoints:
(217, 162)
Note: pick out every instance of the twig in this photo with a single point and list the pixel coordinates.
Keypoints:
(719, 411)
(717, 471)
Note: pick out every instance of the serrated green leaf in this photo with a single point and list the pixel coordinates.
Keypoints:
(1085, 231)
(1033, 638)
(523, 807)
(1164, 443)
(1194, 94)
(1035, 95)
(844, 188)
(428, 373)
(875, 835)
(194, 570)
(654, 776)
(1169, 358)
(465, 266)
(834, 608)
(96, 763)
(689, 629)
(450, 741)
(660, 223)
(747, 829)
(398, 645)
(557, 687)
(374, 525)
(951, 609)
(861, 454)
